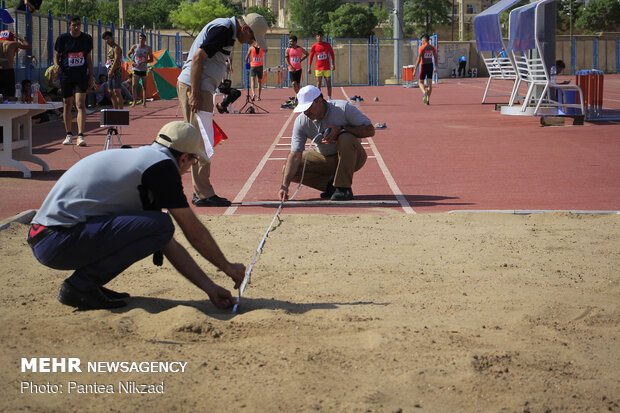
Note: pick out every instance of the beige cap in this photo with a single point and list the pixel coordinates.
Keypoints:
(182, 137)
(259, 26)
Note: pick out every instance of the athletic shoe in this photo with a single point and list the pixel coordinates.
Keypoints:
(87, 300)
(342, 194)
(428, 102)
(287, 106)
(213, 201)
(425, 98)
(380, 126)
(67, 140)
(81, 141)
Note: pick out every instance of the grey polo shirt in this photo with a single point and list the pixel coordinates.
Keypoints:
(217, 39)
(113, 182)
(339, 113)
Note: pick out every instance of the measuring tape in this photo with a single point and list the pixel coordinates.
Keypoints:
(246, 279)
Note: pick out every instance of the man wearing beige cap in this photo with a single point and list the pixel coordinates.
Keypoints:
(202, 72)
(105, 213)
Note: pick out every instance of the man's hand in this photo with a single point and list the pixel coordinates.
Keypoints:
(221, 297)
(194, 101)
(333, 68)
(236, 271)
(283, 193)
(332, 136)
(309, 71)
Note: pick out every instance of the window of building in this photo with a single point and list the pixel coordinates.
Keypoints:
(472, 9)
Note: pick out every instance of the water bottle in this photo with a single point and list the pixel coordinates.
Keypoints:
(35, 93)
(553, 75)
(18, 92)
(357, 102)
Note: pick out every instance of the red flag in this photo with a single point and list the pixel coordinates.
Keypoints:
(41, 98)
(218, 134)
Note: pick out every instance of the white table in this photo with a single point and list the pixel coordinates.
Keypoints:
(16, 143)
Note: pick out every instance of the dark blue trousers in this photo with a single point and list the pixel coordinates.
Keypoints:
(103, 247)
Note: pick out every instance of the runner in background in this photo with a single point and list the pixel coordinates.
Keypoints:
(294, 56)
(256, 57)
(427, 55)
(142, 55)
(322, 50)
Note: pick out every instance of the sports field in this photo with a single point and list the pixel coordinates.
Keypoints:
(388, 303)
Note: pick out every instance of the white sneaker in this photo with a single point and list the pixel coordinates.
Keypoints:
(67, 140)
(81, 141)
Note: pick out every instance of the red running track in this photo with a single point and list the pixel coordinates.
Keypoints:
(455, 154)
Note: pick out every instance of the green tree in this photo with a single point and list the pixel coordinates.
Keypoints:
(567, 12)
(147, 12)
(351, 21)
(192, 17)
(265, 12)
(107, 12)
(600, 16)
(309, 16)
(426, 14)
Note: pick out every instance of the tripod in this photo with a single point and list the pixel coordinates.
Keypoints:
(109, 140)
(251, 106)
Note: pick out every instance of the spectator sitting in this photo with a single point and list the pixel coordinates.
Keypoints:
(100, 95)
(559, 68)
(51, 85)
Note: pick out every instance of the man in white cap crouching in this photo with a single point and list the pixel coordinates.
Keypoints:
(105, 213)
(339, 153)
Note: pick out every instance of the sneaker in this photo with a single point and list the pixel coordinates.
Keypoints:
(380, 126)
(425, 98)
(220, 108)
(67, 140)
(287, 106)
(213, 201)
(329, 189)
(89, 111)
(342, 194)
(81, 141)
(87, 300)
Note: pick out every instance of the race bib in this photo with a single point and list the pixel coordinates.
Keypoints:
(140, 59)
(295, 59)
(321, 56)
(5, 34)
(256, 59)
(76, 59)
(428, 55)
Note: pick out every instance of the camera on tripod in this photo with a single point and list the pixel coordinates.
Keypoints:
(113, 119)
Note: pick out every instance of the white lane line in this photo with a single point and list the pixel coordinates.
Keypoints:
(248, 184)
(386, 173)
(390, 180)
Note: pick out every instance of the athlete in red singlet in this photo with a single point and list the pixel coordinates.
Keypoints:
(427, 54)
(323, 51)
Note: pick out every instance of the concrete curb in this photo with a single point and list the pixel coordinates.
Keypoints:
(23, 218)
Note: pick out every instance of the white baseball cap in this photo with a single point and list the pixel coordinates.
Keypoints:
(182, 137)
(259, 27)
(305, 97)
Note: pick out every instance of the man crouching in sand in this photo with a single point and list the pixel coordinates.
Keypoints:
(104, 214)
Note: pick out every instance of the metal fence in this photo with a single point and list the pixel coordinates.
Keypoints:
(41, 31)
(359, 62)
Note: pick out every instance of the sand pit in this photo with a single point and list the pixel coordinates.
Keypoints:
(442, 312)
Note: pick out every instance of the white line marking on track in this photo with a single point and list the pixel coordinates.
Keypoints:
(386, 173)
(248, 184)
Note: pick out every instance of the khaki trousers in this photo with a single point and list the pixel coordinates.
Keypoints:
(350, 159)
(201, 171)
